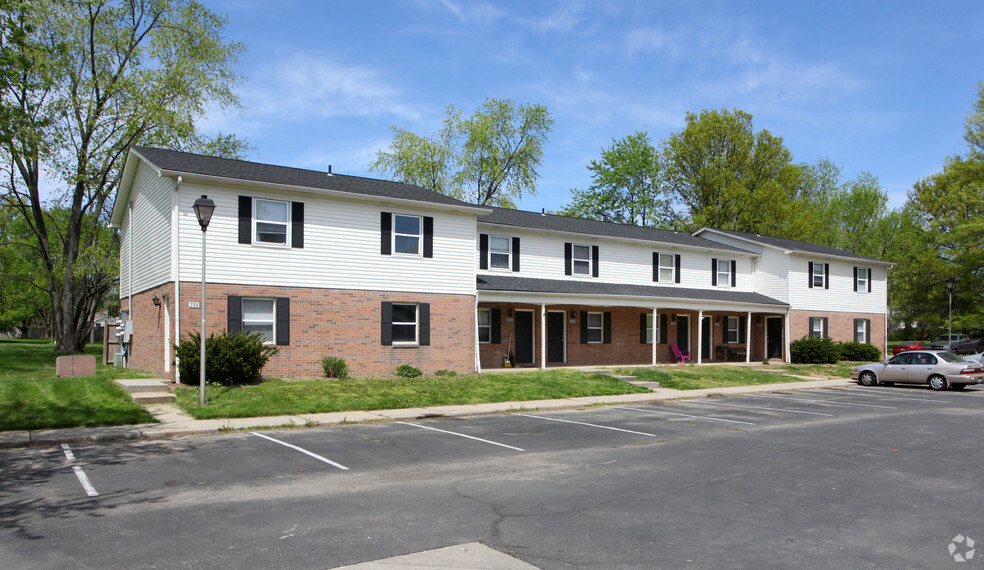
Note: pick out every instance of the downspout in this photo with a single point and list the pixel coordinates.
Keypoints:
(478, 354)
(789, 357)
(176, 249)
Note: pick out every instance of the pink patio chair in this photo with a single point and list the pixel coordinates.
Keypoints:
(683, 357)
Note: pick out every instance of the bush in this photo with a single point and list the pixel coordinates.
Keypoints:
(445, 373)
(334, 367)
(230, 359)
(407, 371)
(859, 351)
(814, 350)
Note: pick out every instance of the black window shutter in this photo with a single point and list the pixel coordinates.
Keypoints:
(296, 225)
(867, 330)
(607, 331)
(869, 280)
(386, 319)
(676, 266)
(741, 329)
(584, 326)
(734, 272)
(826, 276)
(655, 266)
(386, 235)
(810, 274)
(234, 314)
(495, 326)
(428, 236)
(515, 254)
(826, 331)
(245, 219)
(424, 322)
(283, 321)
(568, 254)
(642, 328)
(594, 258)
(663, 333)
(855, 279)
(714, 272)
(483, 250)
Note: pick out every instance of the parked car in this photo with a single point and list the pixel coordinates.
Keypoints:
(938, 368)
(945, 341)
(908, 345)
(969, 347)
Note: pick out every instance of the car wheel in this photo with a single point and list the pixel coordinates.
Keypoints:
(957, 386)
(867, 379)
(937, 382)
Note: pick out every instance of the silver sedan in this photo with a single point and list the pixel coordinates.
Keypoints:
(938, 368)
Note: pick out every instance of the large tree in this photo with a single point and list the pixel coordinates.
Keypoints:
(627, 186)
(490, 158)
(83, 80)
(725, 175)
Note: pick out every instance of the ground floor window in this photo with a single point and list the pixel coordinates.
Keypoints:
(732, 329)
(862, 330)
(485, 326)
(596, 327)
(405, 324)
(818, 327)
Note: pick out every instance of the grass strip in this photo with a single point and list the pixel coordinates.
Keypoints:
(699, 377)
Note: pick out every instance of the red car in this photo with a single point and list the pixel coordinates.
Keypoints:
(908, 345)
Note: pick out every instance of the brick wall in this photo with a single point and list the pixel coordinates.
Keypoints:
(840, 326)
(323, 322)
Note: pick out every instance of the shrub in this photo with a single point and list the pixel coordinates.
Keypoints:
(334, 367)
(230, 359)
(814, 350)
(445, 373)
(407, 371)
(860, 351)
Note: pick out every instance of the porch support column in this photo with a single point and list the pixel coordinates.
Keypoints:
(700, 336)
(789, 357)
(661, 332)
(748, 338)
(543, 336)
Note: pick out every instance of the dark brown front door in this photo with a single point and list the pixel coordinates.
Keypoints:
(524, 337)
(773, 336)
(555, 337)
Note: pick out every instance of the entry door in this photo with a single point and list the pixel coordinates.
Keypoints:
(773, 338)
(705, 339)
(524, 337)
(555, 336)
(683, 332)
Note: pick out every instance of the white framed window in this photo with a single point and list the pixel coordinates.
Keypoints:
(724, 273)
(862, 283)
(652, 329)
(405, 325)
(817, 327)
(259, 315)
(596, 328)
(500, 253)
(407, 234)
(860, 330)
(732, 329)
(581, 261)
(271, 221)
(667, 268)
(819, 275)
(484, 326)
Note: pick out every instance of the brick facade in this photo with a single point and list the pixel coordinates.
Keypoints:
(323, 322)
(840, 326)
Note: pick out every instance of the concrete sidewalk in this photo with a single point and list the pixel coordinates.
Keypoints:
(174, 422)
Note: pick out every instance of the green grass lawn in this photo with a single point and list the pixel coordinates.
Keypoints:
(276, 397)
(32, 397)
(698, 377)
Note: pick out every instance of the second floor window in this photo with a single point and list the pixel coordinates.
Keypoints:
(862, 279)
(667, 266)
(406, 234)
(271, 220)
(724, 272)
(819, 275)
(499, 253)
(581, 260)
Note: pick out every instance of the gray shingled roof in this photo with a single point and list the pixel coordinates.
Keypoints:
(538, 221)
(183, 162)
(571, 287)
(797, 245)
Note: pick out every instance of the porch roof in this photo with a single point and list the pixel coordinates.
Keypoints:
(585, 288)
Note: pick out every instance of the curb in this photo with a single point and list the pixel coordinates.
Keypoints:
(176, 423)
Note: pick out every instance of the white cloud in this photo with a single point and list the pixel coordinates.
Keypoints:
(466, 11)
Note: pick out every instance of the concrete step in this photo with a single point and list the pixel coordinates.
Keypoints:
(625, 378)
(598, 371)
(145, 398)
(137, 385)
(651, 385)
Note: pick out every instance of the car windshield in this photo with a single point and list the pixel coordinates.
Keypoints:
(950, 357)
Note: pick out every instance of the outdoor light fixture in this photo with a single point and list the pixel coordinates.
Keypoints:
(157, 301)
(203, 211)
(950, 284)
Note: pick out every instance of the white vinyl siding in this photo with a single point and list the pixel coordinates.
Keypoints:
(151, 197)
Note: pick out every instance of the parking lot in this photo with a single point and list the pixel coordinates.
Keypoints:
(849, 477)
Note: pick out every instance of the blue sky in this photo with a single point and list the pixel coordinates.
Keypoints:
(877, 86)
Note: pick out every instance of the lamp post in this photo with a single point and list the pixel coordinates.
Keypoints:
(203, 211)
(950, 284)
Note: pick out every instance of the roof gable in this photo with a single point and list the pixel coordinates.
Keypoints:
(792, 245)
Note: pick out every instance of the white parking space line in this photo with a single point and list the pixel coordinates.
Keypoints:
(756, 408)
(814, 401)
(684, 415)
(302, 450)
(859, 392)
(83, 479)
(462, 435)
(587, 424)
